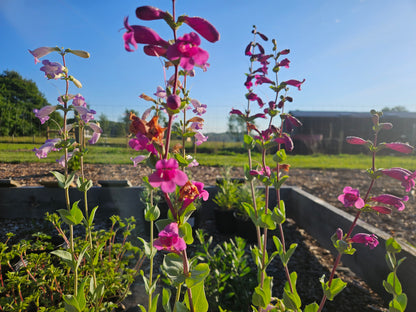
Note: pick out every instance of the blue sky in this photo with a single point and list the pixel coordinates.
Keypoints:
(355, 55)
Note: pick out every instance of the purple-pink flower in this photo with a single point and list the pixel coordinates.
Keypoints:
(399, 147)
(200, 138)
(96, 132)
(186, 48)
(355, 140)
(79, 100)
(284, 63)
(286, 140)
(138, 159)
(392, 200)
(351, 197)
(403, 175)
(167, 175)
(366, 239)
(294, 83)
(141, 143)
(41, 52)
(292, 122)
(85, 113)
(47, 147)
(169, 239)
(53, 70)
(202, 27)
(44, 112)
(173, 102)
(199, 108)
(160, 92)
(150, 13)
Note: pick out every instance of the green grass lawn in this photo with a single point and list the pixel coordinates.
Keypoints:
(22, 152)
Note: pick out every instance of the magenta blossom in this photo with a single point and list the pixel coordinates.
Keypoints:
(150, 13)
(140, 34)
(44, 112)
(284, 52)
(366, 239)
(236, 112)
(292, 122)
(169, 239)
(167, 175)
(263, 172)
(47, 147)
(202, 27)
(41, 52)
(187, 49)
(195, 126)
(403, 175)
(392, 200)
(286, 140)
(284, 63)
(260, 79)
(142, 143)
(399, 147)
(53, 70)
(199, 108)
(200, 138)
(173, 102)
(294, 83)
(351, 197)
(355, 140)
(192, 195)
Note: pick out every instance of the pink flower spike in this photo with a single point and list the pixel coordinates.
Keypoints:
(47, 147)
(392, 200)
(41, 52)
(202, 27)
(169, 239)
(351, 197)
(403, 175)
(167, 175)
(355, 140)
(295, 83)
(149, 13)
(366, 239)
(400, 147)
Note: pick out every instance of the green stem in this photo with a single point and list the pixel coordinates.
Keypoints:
(151, 266)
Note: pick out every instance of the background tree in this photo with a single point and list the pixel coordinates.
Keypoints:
(394, 109)
(18, 98)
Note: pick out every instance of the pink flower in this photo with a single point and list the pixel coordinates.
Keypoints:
(47, 147)
(79, 100)
(236, 112)
(53, 70)
(138, 159)
(191, 191)
(160, 92)
(284, 63)
(367, 239)
(44, 112)
(202, 27)
(294, 83)
(263, 172)
(392, 200)
(262, 79)
(85, 113)
(170, 240)
(142, 143)
(149, 13)
(41, 52)
(140, 34)
(405, 176)
(96, 132)
(292, 122)
(355, 140)
(196, 126)
(167, 175)
(199, 108)
(284, 52)
(286, 140)
(399, 147)
(187, 49)
(200, 138)
(173, 102)
(351, 197)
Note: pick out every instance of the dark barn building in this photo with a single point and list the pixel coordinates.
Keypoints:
(325, 132)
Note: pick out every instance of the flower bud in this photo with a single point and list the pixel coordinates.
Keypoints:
(80, 53)
(173, 102)
(149, 13)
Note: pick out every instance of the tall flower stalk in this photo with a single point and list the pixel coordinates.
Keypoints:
(183, 53)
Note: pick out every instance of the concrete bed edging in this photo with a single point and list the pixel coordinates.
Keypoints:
(305, 209)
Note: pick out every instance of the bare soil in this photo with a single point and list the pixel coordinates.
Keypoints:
(310, 260)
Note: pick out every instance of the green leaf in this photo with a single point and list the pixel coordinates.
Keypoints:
(151, 213)
(249, 142)
(148, 250)
(267, 221)
(71, 304)
(199, 300)
(180, 307)
(291, 298)
(398, 304)
(279, 215)
(393, 246)
(198, 275)
(393, 285)
(166, 293)
(280, 156)
(142, 308)
(280, 182)
(336, 287)
(182, 161)
(92, 216)
(185, 231)
(154, 303)
(162, 223)
(313, 307)
(289, 254)
(62, 181)
(65, 256)
(173, 266)
(73, 216)
(262, 296)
